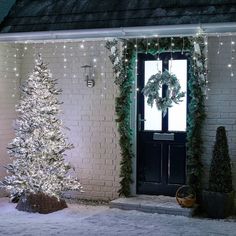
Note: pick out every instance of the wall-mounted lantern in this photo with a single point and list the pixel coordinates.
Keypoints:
(89, 76)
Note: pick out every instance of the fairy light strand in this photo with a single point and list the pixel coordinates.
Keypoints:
(102, 75)
(232, 43)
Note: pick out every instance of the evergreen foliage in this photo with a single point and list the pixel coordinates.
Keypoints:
(124, 68)
(195, 121)
(197, 114)
(123, 106)
(154, 85)
(220, 179)
(38, 148)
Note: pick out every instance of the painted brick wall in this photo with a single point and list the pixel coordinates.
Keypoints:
(221, 103)
(9, 95)
(89, 113)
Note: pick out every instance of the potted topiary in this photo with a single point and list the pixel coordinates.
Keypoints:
(218, 200)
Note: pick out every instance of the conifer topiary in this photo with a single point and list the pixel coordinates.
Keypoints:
(220, 179)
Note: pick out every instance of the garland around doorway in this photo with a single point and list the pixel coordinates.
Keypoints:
(123, 55)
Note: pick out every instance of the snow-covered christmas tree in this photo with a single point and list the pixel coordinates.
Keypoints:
(38, 148)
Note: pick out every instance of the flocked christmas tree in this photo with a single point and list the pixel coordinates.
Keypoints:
(38, 148)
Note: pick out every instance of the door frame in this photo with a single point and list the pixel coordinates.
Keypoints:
(134, 119)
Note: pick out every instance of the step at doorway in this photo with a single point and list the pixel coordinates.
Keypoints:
(152, 204)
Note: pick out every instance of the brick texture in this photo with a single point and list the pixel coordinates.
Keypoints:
(89, 113)
(221, 102)
(10, 66)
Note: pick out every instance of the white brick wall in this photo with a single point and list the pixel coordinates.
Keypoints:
(9, 95)
(221, 103)
(89, 113)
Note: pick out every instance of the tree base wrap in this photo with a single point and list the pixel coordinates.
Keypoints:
(40, 203)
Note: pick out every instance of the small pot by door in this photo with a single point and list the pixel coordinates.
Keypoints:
(161, 140)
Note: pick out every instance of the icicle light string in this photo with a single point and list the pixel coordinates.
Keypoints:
(25, 49)
(102, 71)
(80, 55)
(71, 50)
(78, 59)
(105, 67)
(15, 72)
(232, 43)
(54, 49)
(82, 46)
(64, 55)
(219, 44)
(34, 51)
(73, 65)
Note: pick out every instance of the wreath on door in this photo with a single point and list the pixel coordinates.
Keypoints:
(173, 93)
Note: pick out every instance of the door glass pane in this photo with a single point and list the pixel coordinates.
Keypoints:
(178, 113)
(152, 116)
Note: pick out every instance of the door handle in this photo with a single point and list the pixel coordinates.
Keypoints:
(140, 120)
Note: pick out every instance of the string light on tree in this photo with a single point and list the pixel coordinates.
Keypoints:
(39, 146)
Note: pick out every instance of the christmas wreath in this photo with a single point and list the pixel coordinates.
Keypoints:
(154, 85)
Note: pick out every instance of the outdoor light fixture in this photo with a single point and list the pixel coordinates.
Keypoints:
(89, 76)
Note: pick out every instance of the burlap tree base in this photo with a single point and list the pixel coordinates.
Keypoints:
(40, 203)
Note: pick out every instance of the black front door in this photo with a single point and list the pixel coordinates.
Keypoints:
(161, 140)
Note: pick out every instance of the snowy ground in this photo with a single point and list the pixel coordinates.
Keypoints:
(100, 220)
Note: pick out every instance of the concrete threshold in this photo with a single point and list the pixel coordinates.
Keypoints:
(152, 204)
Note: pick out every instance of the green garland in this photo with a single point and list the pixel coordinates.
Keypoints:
(123, 67)
(197, 86)
(123, 79)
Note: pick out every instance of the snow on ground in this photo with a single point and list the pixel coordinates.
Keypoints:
(85, 220)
